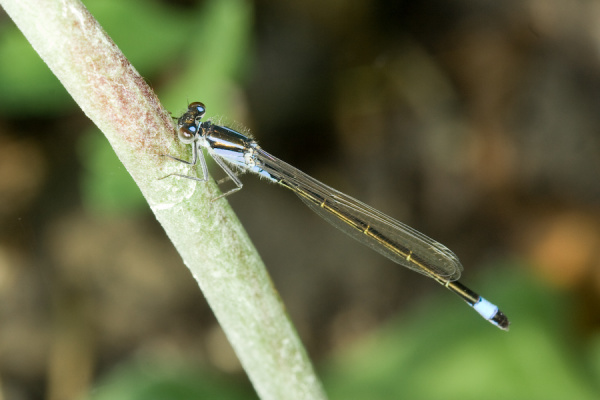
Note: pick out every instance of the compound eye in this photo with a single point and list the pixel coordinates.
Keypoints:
(198, 108)
(187, 133)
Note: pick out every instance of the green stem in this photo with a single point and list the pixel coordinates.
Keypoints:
(209, 237)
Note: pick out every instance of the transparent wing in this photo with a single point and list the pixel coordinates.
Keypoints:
(395, 240)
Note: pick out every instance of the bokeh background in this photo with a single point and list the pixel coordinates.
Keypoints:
(476, 122)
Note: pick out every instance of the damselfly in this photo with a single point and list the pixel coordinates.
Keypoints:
(395, 240)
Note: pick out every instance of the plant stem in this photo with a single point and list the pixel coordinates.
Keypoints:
(209, 237)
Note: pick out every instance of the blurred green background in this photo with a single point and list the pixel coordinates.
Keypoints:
(474, 122)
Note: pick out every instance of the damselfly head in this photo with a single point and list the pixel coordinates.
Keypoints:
(189, 123)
